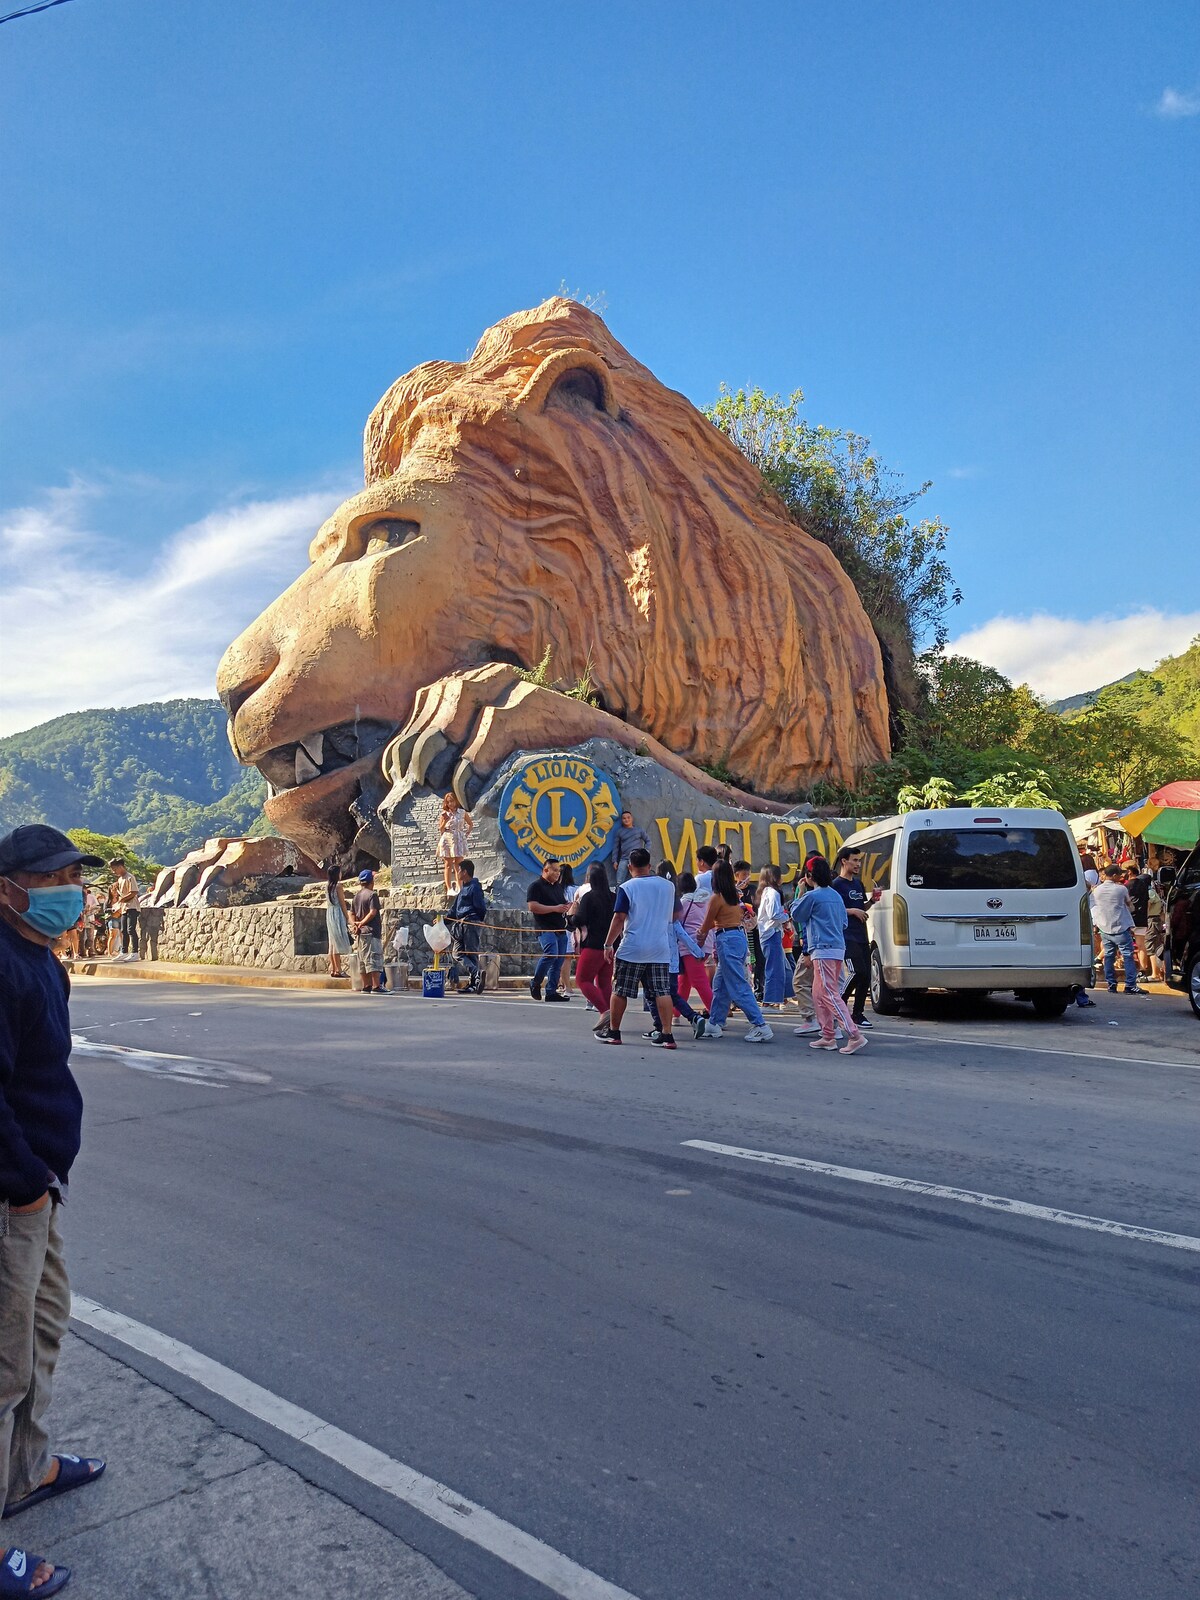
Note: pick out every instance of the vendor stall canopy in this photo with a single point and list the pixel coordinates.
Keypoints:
(1170, 816)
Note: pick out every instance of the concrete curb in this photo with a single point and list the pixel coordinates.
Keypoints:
(235, 977)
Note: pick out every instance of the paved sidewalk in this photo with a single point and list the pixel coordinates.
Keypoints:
(191, 1510)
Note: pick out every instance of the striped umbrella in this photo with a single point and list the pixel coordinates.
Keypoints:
(1171, 815)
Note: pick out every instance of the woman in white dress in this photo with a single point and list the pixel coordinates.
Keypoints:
(454, 832)
(337, 925)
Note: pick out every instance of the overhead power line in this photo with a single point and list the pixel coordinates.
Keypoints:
(29, 10)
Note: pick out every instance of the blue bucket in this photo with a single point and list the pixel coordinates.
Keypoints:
(433, 984)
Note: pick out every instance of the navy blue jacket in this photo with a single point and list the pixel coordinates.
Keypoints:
(41, 1108)
(469, 904)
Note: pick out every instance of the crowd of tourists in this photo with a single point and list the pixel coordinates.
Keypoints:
(695, 947)
(1131, 921)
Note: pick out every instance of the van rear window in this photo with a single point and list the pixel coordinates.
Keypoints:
(991, 858)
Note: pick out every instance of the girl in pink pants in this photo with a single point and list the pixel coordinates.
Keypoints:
(831, 1009)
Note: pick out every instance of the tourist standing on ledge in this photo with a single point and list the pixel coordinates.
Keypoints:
(454, 831)
(727, 916)
(465, 917)
(366, 924)
(41, 1111)
(823, 917)
(337, 922)
(643, 914)
(628, 840)
(547, 901)
(849, 885)
(125, 896)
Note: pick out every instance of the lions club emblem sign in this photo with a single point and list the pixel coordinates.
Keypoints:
(558, 806)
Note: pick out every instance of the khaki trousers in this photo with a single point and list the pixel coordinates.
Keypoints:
(35, 1306)
(802, 988)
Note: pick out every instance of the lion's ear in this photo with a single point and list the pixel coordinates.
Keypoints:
(571, 378)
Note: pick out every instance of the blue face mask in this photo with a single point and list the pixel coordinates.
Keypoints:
(52, 911)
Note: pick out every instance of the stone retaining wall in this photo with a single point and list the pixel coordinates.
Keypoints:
(285, 936)
(280, 936)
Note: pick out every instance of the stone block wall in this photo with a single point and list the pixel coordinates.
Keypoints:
(285, 936)
(278, 935)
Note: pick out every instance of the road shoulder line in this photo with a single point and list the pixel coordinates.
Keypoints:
(441, 1504)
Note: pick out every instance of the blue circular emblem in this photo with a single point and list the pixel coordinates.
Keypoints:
(558, 806)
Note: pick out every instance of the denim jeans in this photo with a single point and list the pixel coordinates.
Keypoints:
(1111, 944)
(775, 984)
(731, 985)
(553, 948)
(129, 933)
(465, 950)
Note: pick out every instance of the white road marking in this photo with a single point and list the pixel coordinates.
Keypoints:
(125, 1022)
(968, 1197)
(183, 1069)
(442, 1505)
(1036, 1050)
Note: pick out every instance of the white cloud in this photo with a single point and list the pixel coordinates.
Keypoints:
(1060, 656)
(83, 627)
(1178, 103)
(964, 472)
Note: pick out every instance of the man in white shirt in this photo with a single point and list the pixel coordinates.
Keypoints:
(1112, 914)
(126, 898)
(642, 918)
(706, 860)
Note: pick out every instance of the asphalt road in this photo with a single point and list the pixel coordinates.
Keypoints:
(467, 1235)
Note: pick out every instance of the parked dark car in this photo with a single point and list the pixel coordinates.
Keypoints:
(1183, 920)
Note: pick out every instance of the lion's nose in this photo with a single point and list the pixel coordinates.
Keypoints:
(245, 667)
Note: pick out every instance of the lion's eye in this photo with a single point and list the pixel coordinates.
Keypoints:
(578, 389)
(388, 533)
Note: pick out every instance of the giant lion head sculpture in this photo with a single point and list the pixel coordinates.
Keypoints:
(551, 493)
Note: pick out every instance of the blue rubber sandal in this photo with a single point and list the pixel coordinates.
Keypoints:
(16, 1576)
(73, 1473)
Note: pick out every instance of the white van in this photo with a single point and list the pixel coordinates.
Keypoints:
(976, 900)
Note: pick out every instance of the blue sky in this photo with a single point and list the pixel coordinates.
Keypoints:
(968, 232)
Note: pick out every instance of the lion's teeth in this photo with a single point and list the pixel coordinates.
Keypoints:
(306, 769)
(315, 747)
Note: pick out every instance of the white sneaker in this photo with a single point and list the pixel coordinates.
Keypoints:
(712, 1031)
(761, 1035)
(806, 1028)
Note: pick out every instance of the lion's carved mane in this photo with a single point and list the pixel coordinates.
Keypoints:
(551, 493)
(636, 537)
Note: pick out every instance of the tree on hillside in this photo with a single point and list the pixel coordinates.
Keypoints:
(107, 847)
(967, 703)
(832, 483)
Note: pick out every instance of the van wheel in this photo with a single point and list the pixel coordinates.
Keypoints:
(884, 999)
(1050, 1002)
(1193, 984)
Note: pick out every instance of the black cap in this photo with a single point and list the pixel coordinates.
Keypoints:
(38, 848)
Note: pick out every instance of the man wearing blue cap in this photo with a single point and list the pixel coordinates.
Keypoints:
(41, 897)
(366, 924)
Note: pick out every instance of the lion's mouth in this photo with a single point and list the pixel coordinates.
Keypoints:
(317, 755)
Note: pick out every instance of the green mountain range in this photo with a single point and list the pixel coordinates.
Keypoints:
(162, 777)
